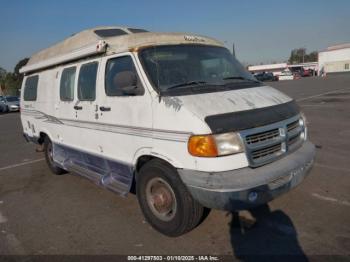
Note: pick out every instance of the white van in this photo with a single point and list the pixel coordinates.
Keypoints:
(176, 115)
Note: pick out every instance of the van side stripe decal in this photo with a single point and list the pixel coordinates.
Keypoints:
(40, 115)
(120, 129)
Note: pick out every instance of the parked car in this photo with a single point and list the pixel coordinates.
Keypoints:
(286, 75)
(175, 115)
(265, 77)
(297, 75)
(9, 103)
(3, 107)
(306, 73)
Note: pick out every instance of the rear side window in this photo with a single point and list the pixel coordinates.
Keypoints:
(87, 82)
(67, 84)
(30, 88)
(114, 67)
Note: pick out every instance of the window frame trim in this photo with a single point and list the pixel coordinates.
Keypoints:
(136, 71)
(77, 85)
(74, 84)
(36, 91)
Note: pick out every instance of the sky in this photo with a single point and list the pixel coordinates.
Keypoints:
(262, 31)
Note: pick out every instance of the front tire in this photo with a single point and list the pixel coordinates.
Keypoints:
(48, 149)
(165, 201)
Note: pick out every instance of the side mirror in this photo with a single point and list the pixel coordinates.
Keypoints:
(127, 82)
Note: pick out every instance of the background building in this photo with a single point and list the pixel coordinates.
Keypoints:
(335, 59)
(277, 69)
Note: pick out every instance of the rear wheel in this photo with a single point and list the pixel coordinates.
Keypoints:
(49, 158)
(165, 201)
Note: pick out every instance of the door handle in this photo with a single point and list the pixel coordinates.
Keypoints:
(78, 107)
(104, 108)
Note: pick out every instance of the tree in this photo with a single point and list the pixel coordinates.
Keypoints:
(10, 82)
(2, 72)
(299, 55)
(2, 80)
(313, 56)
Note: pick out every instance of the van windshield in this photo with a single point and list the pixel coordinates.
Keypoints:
(185, 69)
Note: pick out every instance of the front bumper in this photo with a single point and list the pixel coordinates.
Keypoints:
(248, 187)
(13, 108)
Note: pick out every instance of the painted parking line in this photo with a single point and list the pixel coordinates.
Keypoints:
(331, 199)
(21, 164)
(322, 94)
(347, 170)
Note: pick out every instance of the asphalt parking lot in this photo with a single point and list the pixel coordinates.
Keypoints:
(45, 214)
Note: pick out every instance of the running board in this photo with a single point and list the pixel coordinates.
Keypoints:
(107, 181)
(91, 175)
(109, 174)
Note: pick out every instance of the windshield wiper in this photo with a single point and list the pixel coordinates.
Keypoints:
(239, 78)
(189, 83)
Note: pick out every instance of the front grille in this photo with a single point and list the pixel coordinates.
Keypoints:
(266, 151)
(293, 140)
(256, 138)
(266, 144)
(293, 125)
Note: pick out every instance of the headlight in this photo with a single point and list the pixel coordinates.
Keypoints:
(302, 123)
(215, 145)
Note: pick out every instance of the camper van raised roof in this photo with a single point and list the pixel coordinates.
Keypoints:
(108, 40)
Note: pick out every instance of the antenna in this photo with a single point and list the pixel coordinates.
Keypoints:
(233, 50)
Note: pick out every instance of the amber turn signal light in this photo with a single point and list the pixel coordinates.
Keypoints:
(203, 146)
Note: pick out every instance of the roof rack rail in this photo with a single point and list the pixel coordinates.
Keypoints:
(94, 49)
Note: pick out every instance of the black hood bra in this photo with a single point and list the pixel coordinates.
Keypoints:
(241, 120)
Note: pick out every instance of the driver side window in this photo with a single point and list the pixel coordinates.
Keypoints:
(115, 69)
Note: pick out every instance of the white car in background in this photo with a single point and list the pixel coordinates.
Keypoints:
(9, 103)
(286, 75)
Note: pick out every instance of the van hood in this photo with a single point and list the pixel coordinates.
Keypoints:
(215, 103)
(239, 109)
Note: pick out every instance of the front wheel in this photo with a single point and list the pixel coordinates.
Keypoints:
(165, 201)
(48, 149)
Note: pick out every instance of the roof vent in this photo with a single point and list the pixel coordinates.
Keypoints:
(110, 32)
(137, 30)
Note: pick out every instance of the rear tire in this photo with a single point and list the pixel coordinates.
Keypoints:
(165, 201)
(49, 158)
